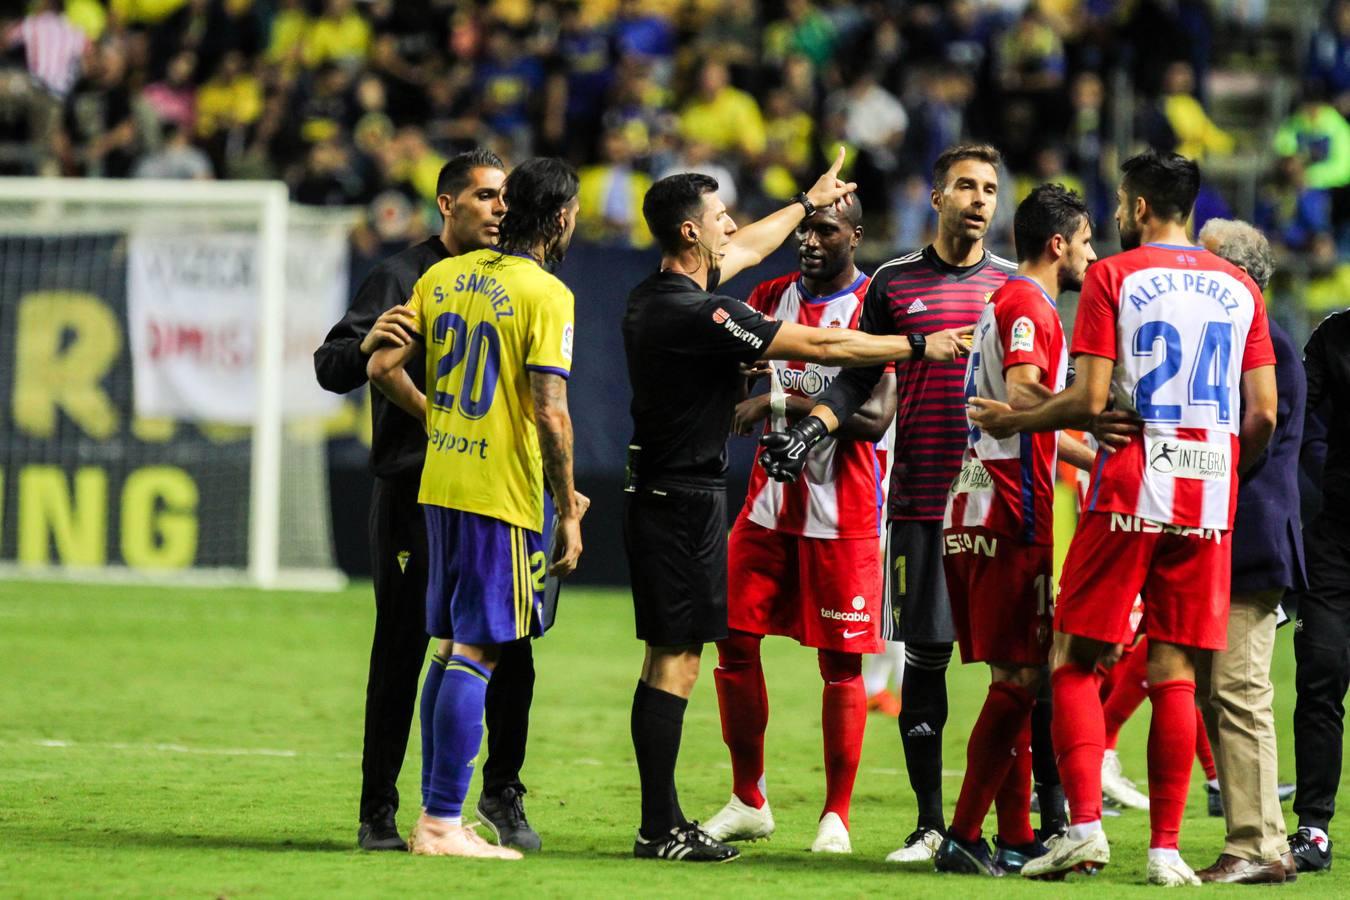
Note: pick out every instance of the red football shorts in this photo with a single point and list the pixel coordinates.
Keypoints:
(1183, 574)
(822, 592)
(1002, 596)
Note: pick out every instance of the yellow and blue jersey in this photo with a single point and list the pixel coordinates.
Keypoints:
(488, 319)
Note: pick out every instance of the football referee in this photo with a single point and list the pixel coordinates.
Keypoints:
(685, 346)
(469, 194)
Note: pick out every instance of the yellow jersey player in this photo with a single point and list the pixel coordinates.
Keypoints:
(497, 327)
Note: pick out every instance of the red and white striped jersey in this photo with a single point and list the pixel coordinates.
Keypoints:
(839, 492)
(1008, 486)
(53, 46)
(1181, 325)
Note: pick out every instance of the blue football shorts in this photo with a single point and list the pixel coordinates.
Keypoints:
(485, 578)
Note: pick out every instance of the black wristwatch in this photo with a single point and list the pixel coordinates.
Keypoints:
(806, 203)
(917, 345)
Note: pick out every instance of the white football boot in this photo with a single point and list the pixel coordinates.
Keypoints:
(831, 835)
(1067, 855)
(921, 846)
(1171, 873)
(739, 821)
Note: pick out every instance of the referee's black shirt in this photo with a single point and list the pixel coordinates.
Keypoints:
(1327, 361)
(398, 441)
(684, 345)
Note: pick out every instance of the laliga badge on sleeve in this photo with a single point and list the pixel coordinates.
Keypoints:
(1023, 335)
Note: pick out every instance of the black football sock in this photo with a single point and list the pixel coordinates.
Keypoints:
(923, 714)
(1045, 772)
(657, 723)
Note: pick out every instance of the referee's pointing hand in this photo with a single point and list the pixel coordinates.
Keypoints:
(828, 188)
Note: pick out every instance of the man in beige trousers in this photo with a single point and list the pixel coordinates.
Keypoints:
(1233, 686)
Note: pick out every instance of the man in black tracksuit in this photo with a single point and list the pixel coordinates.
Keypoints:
(1322, 630)
(469, 196)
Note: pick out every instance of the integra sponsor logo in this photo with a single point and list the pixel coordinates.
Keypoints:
(723, 318)
(1138, 525)
(810, 381)
(1188, 459)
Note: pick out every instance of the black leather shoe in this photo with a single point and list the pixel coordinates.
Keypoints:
(380, 834)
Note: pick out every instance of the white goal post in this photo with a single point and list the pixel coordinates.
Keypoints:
(216, 294)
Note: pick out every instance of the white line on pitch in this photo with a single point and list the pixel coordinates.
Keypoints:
(179, 748)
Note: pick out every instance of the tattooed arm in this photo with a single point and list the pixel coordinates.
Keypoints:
(555, 445)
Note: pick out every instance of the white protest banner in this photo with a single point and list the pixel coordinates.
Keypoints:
(193, 317)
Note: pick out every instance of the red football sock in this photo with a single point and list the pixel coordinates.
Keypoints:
(1002, 728)
(1014, 797)
(1202, 749)
(744, 704)
(1130, 690)
(1171, 747)
(843, 717)
(1079, 733)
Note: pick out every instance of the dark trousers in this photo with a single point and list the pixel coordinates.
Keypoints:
(398, 541)
(1322, 650)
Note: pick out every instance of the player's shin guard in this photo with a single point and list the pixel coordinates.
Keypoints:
(1131, 689)
(1004, 720)
(1080, 740)
(843, 716)
(1014, 797)
(923, 715)
(1171, 747)
(458, 723)
(431, 689)
(657, 725)
(743, 703)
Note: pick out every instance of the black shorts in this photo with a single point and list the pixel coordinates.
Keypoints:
(916, 605)
(676, 541)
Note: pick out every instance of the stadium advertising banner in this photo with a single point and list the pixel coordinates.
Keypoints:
(193, 314)
(86, 480)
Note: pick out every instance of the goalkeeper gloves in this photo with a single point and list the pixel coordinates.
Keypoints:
(784, 453)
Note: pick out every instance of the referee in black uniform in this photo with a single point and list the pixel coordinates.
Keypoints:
(1322, 631)
(685, 347)
(469, 194)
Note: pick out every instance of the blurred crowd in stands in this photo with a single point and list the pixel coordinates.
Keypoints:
(359, 103)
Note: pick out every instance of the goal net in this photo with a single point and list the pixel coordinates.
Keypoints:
(159, 417)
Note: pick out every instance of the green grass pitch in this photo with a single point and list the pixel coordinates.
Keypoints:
(205, 743)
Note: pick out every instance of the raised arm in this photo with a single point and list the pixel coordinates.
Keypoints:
(751, 244)
(554, 424)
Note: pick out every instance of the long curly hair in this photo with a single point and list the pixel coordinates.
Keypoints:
(534, 192)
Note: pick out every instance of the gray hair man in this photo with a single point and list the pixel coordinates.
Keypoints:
(1233, 686)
